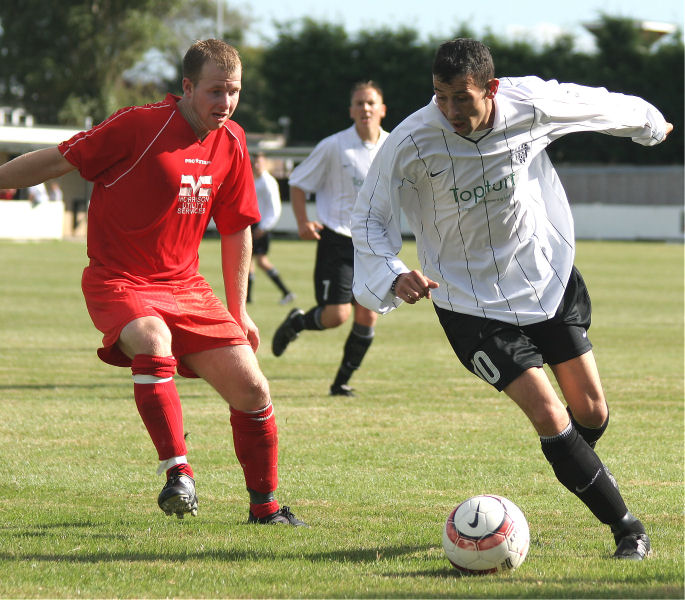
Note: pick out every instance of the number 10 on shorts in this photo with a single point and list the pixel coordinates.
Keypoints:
(484, 367)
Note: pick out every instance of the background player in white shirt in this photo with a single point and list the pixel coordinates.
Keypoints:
(496, 245)
(269, 201)
(38, 194)
(334, 171)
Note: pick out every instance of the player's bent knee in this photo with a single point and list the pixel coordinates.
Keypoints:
(146, 335)
(252, 396)
(547, 420)
(335, 315)
(593, 414)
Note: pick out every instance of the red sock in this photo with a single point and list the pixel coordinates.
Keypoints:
(183, 468)
(159, 404)
(255, 439)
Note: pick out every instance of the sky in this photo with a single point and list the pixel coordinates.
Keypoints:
(537, 20)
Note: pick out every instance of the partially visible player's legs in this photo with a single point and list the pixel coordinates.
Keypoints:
(260, 249)
(272, 272)
(250, 282)
(333, 271)
(575, 463)
(356, 346)
(317, 318)
(234, 372)
(147, 341)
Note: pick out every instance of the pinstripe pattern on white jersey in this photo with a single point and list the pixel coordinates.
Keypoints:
(491, 219)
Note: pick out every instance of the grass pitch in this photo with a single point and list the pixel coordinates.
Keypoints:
(375, 475)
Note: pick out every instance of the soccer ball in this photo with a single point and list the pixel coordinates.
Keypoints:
(486, 534)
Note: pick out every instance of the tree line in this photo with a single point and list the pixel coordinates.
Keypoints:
(63, 62)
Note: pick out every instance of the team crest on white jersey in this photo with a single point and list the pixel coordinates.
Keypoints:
(521, 153)
(194, 194)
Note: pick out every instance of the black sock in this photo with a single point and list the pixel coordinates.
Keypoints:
(276, 278)
(581, 471)
(259, 497)
(312, 319)
(590, 434)
(250, 281)
(356, 346)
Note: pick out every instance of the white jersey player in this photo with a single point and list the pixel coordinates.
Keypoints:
(488, 210)
(335, 171)
(496, 246)
(268, 194)
(269, 202)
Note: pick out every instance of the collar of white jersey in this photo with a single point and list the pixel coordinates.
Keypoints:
(352, 131)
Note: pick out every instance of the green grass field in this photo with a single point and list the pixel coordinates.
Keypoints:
(374, 475)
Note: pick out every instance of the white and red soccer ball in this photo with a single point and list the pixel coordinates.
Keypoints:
(486, 534)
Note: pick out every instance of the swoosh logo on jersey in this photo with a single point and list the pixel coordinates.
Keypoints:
(475, 521)
(436, 173)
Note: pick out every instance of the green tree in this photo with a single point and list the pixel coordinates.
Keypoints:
(399, 63)
(191, 20)
(62, 61)
(311, 66)
(253, 110)
(308, 71)
(627, 62)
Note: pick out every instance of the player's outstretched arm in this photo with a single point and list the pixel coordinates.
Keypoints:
(33, 168)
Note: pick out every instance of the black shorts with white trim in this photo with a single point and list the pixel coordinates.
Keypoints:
(499, 352)
(334, 270)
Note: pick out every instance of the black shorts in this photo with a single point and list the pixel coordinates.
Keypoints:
(499, 352)
(260, 247)
(334, 270)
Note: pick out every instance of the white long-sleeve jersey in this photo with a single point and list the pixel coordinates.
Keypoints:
(335, 171)
(268, 200)
(491, 218)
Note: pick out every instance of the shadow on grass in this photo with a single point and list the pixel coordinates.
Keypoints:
(361, 556)
(53, 386)
(89, 530)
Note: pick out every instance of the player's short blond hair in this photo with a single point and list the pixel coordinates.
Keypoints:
(363, 85)
(223, 55)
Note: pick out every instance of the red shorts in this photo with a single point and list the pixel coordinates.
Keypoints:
(195, 316)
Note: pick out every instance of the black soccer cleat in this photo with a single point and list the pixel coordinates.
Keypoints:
(282, 516)
(632, 542)
(286, 332)
(634, 546)
(178, 495)
(341, 390)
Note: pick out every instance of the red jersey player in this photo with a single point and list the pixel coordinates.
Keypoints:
(160, 172)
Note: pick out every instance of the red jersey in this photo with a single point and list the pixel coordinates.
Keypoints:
(156, 185)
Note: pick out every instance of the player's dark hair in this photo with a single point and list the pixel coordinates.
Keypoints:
(463, 57)
(362, 85)
(223, 55)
